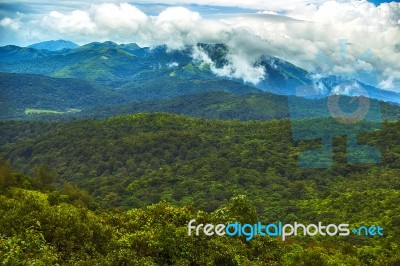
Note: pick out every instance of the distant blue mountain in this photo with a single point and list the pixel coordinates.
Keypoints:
(159, 73)
(54, 45)
(12, 53)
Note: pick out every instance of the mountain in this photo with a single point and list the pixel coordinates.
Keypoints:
(130, 46)
(261, 106)
(284, 78)
(211, 105)
(22, 93)
(353, 87)
(157, 73)
(116, 65)
(14, 54)
(120, 191)
(141, 159)
(26, 96)
(54, 45)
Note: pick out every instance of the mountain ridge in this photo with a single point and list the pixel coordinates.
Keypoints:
(130, 67)
(54, 45)
(29, 97)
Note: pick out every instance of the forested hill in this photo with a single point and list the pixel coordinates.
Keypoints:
(136, 161)
(62, 225)
(262, 106)
(21, 92)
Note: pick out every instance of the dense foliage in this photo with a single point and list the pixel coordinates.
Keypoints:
(21, 91)
(261, 106)
(219, 99)
(43, 225)
(136, 161)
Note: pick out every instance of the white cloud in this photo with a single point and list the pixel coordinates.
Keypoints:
(173, 65)
(122, 18)
(387, 84)
(306, 28)
(350, 89)
(78, 21)
(176, 26)
(13, 24)
(238, 67)
(109, 21)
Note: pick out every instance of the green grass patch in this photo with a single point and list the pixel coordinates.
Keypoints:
(31, 111)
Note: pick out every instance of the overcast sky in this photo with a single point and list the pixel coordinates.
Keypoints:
(294, 30)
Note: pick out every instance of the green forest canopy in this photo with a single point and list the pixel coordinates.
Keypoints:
(137, 170)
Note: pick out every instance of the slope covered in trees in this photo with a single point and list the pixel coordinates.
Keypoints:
(216, 104)
(22, 91)
(147, 175)
(135, 161)
(46, 225)
(216, 99)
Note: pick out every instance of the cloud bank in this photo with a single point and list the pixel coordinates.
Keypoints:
(295, 31)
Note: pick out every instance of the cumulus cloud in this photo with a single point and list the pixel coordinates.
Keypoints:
(104, 21)
(13, 24)
(173, 65)
(238, 66)
(293, 30)
(176, 26)
(350, 89)
(122, 18)
(78, 21)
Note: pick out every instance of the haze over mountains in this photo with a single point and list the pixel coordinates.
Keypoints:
(60, 75)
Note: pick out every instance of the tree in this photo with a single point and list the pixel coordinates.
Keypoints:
(242, 209)
(7, 177)
(44, 175)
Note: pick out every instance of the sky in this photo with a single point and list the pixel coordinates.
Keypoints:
(293, 30)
